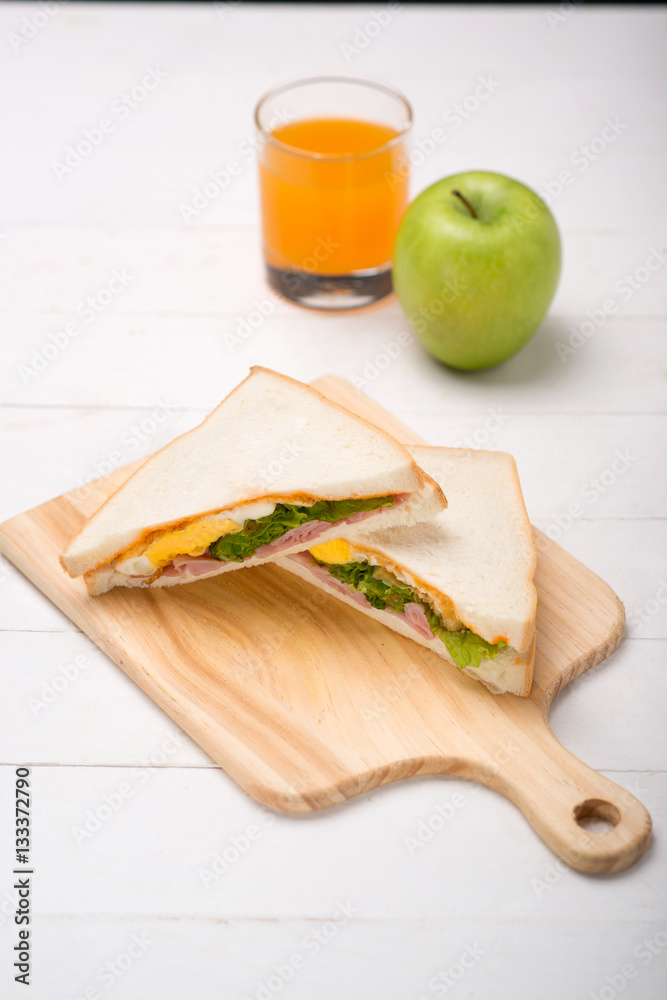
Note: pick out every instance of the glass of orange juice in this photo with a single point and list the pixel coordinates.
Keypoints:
(334, 173)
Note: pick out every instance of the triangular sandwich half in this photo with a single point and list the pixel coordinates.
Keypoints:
(274, 467)
(460, 584)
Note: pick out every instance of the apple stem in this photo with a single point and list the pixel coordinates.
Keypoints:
(466, 203)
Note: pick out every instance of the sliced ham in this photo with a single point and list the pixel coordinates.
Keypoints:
(414, 614)
(306, 532)
(310, 530)
(192, 565)
(305, 559)
(356, 595)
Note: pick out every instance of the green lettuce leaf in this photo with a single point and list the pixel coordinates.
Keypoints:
(242, 544)
(337, 510)
(466, 648)
(381, 595)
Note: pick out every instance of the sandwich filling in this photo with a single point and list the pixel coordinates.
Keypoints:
(260, 529)
(335, 564)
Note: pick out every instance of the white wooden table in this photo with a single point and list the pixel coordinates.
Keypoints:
(482, 910)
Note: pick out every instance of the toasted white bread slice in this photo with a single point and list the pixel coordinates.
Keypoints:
(473, 563)
(272, 439)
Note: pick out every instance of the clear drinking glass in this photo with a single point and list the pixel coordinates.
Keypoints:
(334, 174)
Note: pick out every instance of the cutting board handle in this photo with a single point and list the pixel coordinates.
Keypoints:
(562, 798)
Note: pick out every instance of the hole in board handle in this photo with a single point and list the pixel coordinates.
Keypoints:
(596, 815)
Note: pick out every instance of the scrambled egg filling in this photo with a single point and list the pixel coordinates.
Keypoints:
(161, 548)
(334, 553)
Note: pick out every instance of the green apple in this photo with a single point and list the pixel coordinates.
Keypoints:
(476, 264)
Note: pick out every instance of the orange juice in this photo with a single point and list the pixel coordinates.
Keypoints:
(333, 192)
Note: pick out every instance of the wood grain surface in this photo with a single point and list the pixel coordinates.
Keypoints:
(307, 703)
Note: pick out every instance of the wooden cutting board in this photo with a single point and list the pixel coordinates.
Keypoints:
(305, 702)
